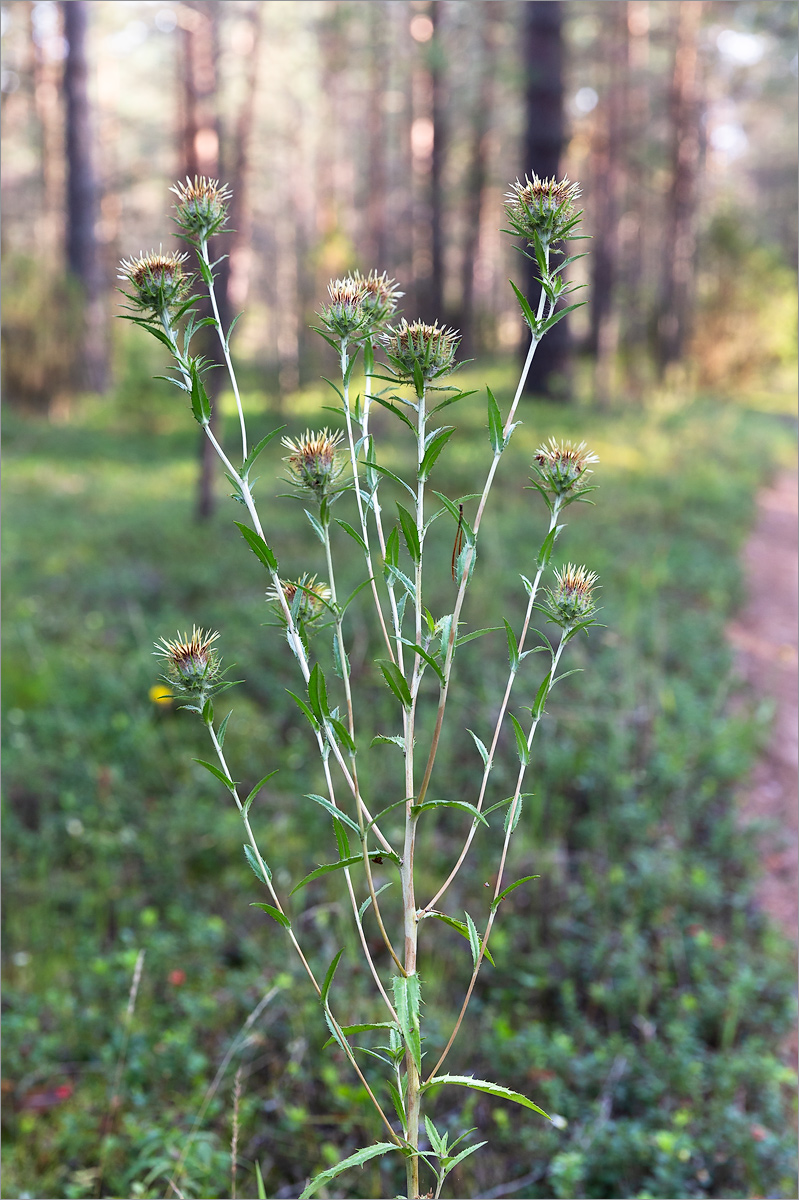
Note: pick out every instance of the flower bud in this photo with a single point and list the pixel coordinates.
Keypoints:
(347, 316)
(431, 348)
(563, 468)
(192, 664)
(315, 461)
(380, 297)
(571, 600)
(307, 598)
(157, 280)
(544, 207)
(202, 207)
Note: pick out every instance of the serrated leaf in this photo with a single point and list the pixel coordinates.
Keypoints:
(432, 452)
(317, 693)
(438, 1143)
(545, 553)
(252, 859)
(521, 741)
(208, 712)
(527, 312)
(541, 696)
(220, 775)
(483, 1085)
(335, 812)
(459, 927)
(450, 1163)
(397, 739)
(301, 704)
(356, 537)
(513, 646)
(200, 404)
(480, 746)
(494, 424)
(410, 533)
(396, 411)
(407, 999)
(469, 637)
(474, 939)
(328, 980)
(506, 891)
(317, 528)
(343, 735)
(257, 545)
(355, 1160)
(274, 913)
(516, 810)
(423, 654)
(464, 805)
(245, 808)
(395, 680)
(351, 1030)
(558, 316)
(222, 730)
(368, 899)
(352, 861)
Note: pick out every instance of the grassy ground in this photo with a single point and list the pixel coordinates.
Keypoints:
(637, 993)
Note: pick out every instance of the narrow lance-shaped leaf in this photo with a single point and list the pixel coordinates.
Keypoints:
(410, 533)
(245, 808)
(494, 424)
(257, 545)
(483, 1085)
(521, 741)
(395, 680)
(355, 1160)
(275, 914)
(407, 998)
(506, 891)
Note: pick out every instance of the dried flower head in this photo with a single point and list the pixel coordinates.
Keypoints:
(571, 601)
(544, 207)
(202, 207)
(191, 663)
(315, 461)
(380, 296)
(431, 348)
(307, 598)
(157, 280)
(564, 468)
(347, 315)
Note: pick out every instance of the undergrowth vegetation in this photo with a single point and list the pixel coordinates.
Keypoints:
(637, 993)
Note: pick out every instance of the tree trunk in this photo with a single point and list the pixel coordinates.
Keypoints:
(608, 175)
(543, 147)
(478, 169)
(199, 142)
(677, 286)
(428, 138)
(82, 255)
(376, 174)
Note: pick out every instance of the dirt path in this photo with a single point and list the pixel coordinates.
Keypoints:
(765, 639)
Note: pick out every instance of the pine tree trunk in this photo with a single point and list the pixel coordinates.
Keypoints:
(543, 147)
(677, 287)
(82, 253)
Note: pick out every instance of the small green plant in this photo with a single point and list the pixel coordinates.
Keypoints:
(414, 643)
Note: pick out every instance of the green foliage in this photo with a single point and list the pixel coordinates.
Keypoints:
(637, 996)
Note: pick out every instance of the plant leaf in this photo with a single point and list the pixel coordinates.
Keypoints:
(336, 813)
(317, 693)
(410, 533)
(229, 784)
(480, 746)
(250, 855)
(521, 741)
(353, 534)
(395, 680)
(459, 927)
(264, 442)
(407, 998)
(494, 424)
(245, 808)
(258, 546)
(432, 452)
(368, 900)
(275, 913)
(352, 861)
(355, 1160)
(482, 1085)
(506, 891)
(462, 804)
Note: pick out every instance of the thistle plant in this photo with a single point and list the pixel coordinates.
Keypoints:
(408, 369)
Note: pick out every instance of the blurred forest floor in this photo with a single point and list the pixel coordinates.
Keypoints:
(764, 636)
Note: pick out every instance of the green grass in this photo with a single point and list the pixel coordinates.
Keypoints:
(638, 993)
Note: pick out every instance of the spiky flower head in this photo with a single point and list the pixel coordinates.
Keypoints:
(564, 468)
(202, 207)
(191, 664)
(315, 461)
(571, 601)
(545, 207)
(380, 296)
(157, 280)
(429, 348)
(307, 597)
(347, 315)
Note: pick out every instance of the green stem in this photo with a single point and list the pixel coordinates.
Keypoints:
(203, 252)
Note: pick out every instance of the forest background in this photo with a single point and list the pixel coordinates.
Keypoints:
(639, 994)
